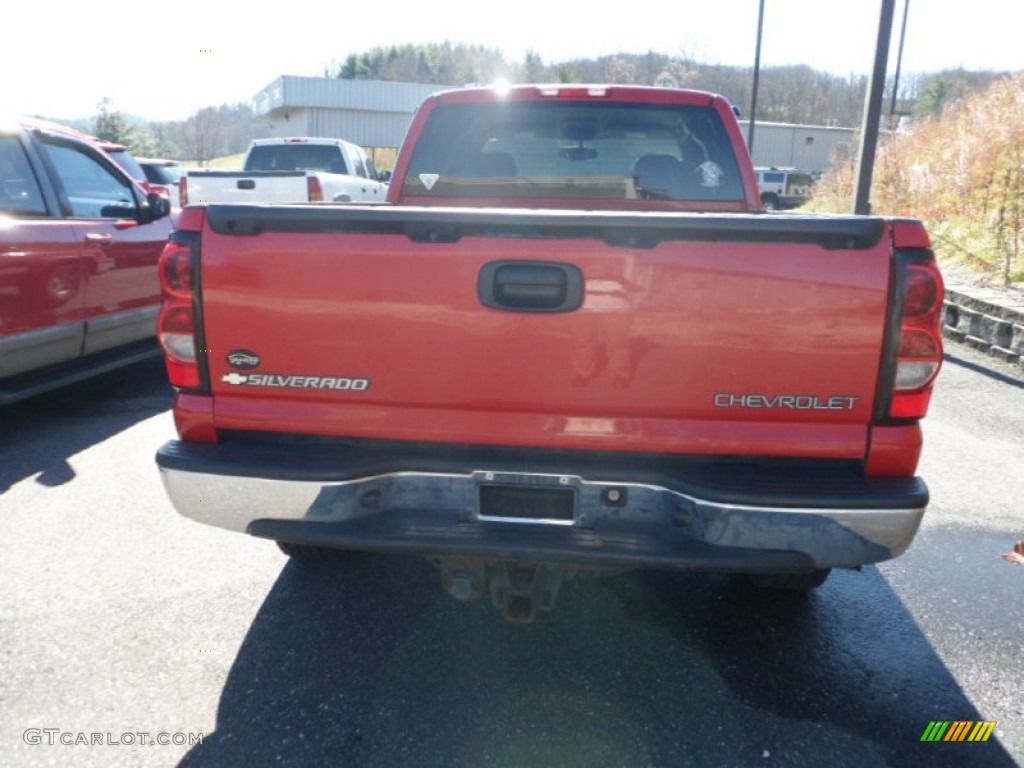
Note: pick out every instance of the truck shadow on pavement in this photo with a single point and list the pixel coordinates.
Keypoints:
(984, 370)
(369, 663)
(38, 435)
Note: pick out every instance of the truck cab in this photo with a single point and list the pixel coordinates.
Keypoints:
(784, 188)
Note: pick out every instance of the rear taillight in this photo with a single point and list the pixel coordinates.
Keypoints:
(176, 325)
(316, 192)
(918, 350)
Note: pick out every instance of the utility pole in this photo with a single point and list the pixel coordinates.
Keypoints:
(899, 60)
(873, 113)
(757, 76)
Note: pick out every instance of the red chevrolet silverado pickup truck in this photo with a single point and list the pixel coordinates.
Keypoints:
(572, 340)
(79, 247)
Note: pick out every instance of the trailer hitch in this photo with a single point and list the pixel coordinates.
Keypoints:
(518, 589)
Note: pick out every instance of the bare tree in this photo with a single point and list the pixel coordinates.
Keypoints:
(618, 70)
(203, 134)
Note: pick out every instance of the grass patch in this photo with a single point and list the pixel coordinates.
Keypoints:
(228, 161)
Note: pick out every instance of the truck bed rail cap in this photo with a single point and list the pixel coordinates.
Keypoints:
(646, 228)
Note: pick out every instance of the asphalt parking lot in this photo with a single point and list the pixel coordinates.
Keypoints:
(119, 617)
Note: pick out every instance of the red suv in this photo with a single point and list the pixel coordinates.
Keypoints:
(79, 245)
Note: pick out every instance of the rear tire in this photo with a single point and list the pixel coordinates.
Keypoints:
(789, 582)
(308, 553)
(769, 202)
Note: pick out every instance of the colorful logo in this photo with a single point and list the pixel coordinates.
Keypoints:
(958, 730)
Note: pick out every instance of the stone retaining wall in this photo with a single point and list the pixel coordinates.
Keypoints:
(992, 325)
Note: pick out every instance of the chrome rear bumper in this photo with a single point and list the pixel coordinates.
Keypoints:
(576, 519)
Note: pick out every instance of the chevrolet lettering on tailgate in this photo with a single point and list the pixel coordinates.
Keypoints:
(795, 402)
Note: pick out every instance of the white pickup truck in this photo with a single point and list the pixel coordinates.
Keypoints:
(291, 170)
(784, 188)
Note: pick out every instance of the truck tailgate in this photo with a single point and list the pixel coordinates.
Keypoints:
(247, 186)
(695, 333)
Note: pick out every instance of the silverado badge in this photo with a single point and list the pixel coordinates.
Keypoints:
(291, 381)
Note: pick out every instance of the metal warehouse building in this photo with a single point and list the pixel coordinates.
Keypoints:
(367, 112)
(376, 115)
(808, 147)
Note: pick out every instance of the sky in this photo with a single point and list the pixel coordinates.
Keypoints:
(164, 61)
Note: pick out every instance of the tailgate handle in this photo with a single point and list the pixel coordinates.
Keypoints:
(531, 286)
(246, 184)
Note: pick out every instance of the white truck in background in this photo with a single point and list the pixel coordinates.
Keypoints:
(784, 188)
(291, 170)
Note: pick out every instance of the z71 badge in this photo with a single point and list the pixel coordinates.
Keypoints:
(243, 359)
(290, 381)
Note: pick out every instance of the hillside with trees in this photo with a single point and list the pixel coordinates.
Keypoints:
(210, 132)
(790, 94)
(961, 170)
(786, 94)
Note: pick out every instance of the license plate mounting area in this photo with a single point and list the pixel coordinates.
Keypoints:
(541, 502)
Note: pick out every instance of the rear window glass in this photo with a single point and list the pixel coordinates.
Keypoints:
(296, 157)
(565, 149)
(163, 174)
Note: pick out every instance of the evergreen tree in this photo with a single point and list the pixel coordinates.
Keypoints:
(111, 125)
